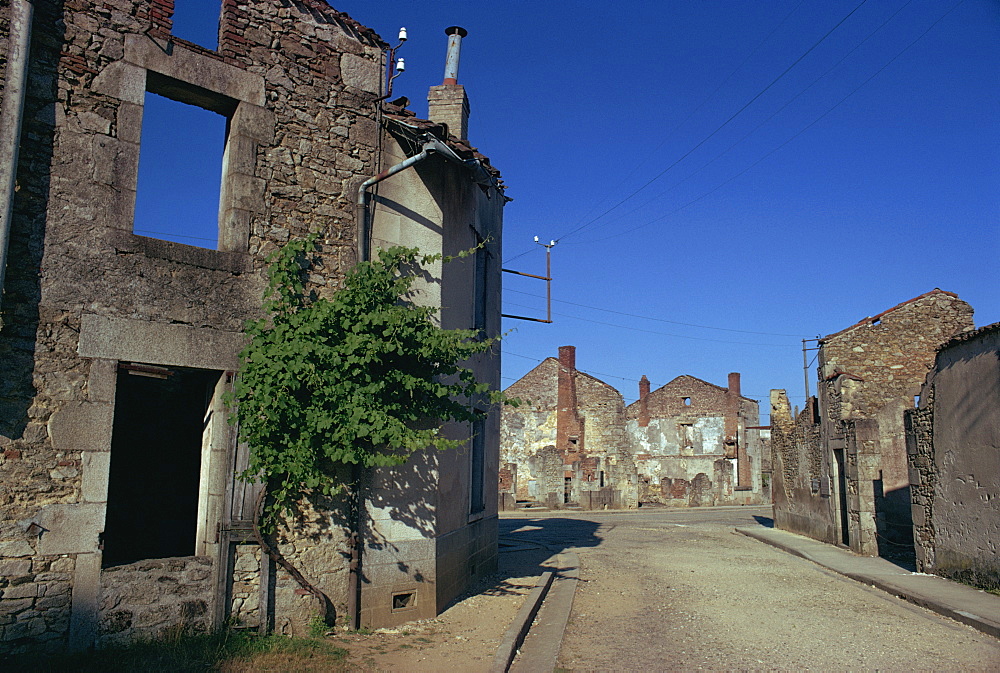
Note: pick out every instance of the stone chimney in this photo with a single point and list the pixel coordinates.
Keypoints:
(447, 102)
(569, 428)
(643, 402)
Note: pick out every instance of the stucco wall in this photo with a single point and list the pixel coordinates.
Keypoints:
(957, 463)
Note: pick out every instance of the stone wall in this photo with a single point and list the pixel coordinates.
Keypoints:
(953, 441)
(688, 439)
(842, 466)
(85, 295)
(148, 598)
(592, 467)
(800, 485)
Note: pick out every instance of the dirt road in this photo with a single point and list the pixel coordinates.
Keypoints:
(679, 590)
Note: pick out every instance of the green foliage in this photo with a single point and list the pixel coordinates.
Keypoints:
(364, 377)
(317, 627)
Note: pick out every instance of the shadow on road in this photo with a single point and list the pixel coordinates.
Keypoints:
(765, 521)
(527, 544)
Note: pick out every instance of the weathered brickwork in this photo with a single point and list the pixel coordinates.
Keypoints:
(89, 305)
(953, 445)
(843, 465)
(692, 445)
(568, 439)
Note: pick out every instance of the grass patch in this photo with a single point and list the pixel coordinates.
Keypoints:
(228, 651)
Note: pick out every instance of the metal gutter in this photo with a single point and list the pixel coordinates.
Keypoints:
(11, 116)
(431, 145)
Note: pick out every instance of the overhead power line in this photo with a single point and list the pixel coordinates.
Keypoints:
(800, 132)
(646, 317)
(710, 135)
(758, 126)
(697, 108)
(647, 331)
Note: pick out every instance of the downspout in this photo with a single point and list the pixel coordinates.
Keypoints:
(364, 221)
(11, 115)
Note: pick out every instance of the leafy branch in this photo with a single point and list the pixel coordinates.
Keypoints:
(364, 377)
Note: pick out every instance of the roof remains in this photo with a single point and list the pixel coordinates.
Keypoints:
(875, 318)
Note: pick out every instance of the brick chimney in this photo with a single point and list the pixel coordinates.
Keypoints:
(643, 402)
(731, 415)
(447, 102)
(569, 427)
(733, 443)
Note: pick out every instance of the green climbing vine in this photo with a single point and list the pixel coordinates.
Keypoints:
(364, 377)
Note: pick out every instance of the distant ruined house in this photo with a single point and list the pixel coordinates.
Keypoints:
(695, 443)
(120, 514)
(840, 471)
(565, 446)
(953, 446)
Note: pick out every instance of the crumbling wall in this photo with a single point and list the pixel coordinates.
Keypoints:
(800, 487)
(596, 449)
(147, 598)
(954, 445)
(297, 82)
(679, 433)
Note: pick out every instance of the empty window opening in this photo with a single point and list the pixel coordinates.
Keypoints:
(197, 21)
(574, 443)
(156, 452)
(480, 286)
(180, 172)
(876, 321)
(685, 432)
(602, 478)
(686, 401)
(477, 502)
(404, 600)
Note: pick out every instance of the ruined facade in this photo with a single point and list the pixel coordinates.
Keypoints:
(839, 468)
(953, 445)
(119, 512)
(565, 444)
(695, 443)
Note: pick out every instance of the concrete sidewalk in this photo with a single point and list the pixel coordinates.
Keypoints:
(976, 608)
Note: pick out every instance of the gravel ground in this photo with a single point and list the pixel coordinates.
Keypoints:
(677, 590)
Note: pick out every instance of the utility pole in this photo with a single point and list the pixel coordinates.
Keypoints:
(548, 283)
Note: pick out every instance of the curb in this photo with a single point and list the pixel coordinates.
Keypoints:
(521, 624)
(982, 624)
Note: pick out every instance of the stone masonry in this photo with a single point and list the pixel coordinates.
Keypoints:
(695, 443)
(953, 445)
(566, 444)
(842, 464)
(91, 309)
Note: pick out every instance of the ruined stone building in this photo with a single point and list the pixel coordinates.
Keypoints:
(119, 511)
(953, 445)
(840, 466)
(695, 443)
(565, 444)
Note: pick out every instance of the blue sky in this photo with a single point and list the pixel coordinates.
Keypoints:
(695, 240)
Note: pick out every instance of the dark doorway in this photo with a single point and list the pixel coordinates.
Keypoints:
(845, 531)
(156, 448)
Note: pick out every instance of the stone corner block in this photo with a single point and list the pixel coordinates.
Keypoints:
(70, 529)
(81, 426)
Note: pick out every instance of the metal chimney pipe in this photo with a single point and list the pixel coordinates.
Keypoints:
(455, 35)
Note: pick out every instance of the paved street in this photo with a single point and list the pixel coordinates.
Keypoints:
(680, 590)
